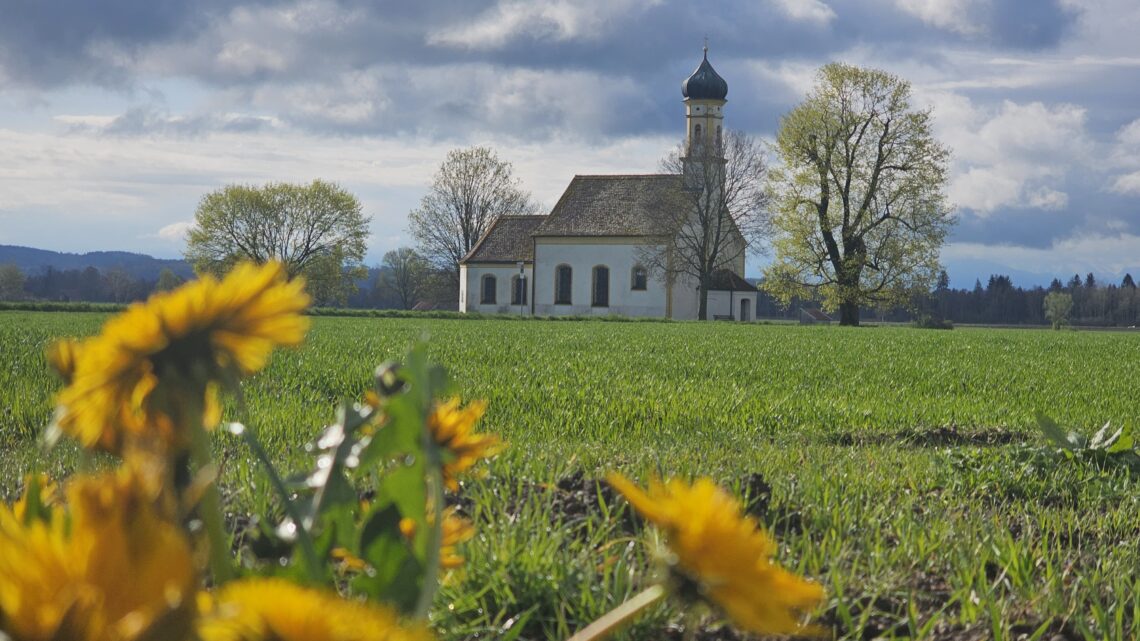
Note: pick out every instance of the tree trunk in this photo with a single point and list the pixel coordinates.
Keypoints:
(849, 313)
(703, 300)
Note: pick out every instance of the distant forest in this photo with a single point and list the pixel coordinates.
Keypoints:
(998, 302)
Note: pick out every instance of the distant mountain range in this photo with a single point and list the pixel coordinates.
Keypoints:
(33, 261)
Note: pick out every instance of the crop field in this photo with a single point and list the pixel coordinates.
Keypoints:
(902, 469)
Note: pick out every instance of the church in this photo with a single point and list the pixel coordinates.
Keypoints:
(593, 254)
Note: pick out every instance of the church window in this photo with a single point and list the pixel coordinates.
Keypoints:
(601, 286)
(697, 133)
(718, 137)
(518, 291)
(640, 278)
(489, 286)
(562, 280)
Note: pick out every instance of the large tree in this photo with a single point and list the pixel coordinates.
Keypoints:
(316, 230)
(859, 208)
(717, 216)
(472, 188)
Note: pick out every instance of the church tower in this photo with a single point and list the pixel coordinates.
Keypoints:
(704, 93)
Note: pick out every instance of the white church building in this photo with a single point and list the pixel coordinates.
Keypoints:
(588, 256)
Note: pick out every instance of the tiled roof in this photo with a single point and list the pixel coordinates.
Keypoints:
(507, 241)
(727, 280)
(628, 205)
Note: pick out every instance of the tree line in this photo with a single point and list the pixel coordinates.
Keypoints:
(1000, 302)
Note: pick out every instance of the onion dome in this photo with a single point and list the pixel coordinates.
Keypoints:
(705, 83)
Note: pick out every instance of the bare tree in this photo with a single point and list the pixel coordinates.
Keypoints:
(407, 275)
(469, 192)
(718, 214)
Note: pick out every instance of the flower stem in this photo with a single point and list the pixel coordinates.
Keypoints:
(210, 507)
(622, 614)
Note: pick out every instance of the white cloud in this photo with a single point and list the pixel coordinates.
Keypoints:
(1101, 254)
(952, 15)
(1128, 184)
(558, 20)
(1013, 155)
(175, 231)
(806, 10)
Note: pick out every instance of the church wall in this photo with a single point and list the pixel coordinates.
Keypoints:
(471, 287)
(582, 255)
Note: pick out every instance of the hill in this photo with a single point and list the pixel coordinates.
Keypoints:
(140, 266)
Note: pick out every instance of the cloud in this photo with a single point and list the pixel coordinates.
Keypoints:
(150, 121)
(1015, 155)
(175, 231)
(1100, 254)
(953, 15)
(557, 20)
(806, 10)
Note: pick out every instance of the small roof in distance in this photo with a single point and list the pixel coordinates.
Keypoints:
(507, 241)
(726, 280)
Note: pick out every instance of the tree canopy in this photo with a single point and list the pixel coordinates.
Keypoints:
(317, 230)
(472, 188)
(859, 209)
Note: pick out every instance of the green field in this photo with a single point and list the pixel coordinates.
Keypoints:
(900, 468)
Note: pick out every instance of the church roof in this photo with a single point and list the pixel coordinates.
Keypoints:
(507, 241)
(725, 280)
(704, 83)
(621, 205)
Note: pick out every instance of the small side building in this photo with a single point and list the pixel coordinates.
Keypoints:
(495, 276)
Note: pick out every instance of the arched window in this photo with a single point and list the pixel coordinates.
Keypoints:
(601, 297)
(639, 278)
(718, 137)
(518, 291)
(489, 286)
(562, 280)
(697, 134)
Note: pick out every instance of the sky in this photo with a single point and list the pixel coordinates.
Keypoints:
(117, 116)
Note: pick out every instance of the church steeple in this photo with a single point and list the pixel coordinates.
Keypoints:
(704, 92)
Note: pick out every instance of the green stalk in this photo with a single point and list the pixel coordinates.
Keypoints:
(434, 482)
(619, 616)
(313, 565)
(210, 506)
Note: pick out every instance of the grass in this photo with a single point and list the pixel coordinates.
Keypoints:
(901, 468)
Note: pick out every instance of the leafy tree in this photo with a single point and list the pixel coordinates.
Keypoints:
(716, 217)
(1058, 306)
(11, 282)
(167, 280)
(316, 230)
(406, 275)
(860, 213)
(472, 188)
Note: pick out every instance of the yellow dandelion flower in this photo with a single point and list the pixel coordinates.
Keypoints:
(456, 530)
(278, 610)
(62, 356)
(111, 569)
(724, 554)
(453, 430)
(157, 360)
